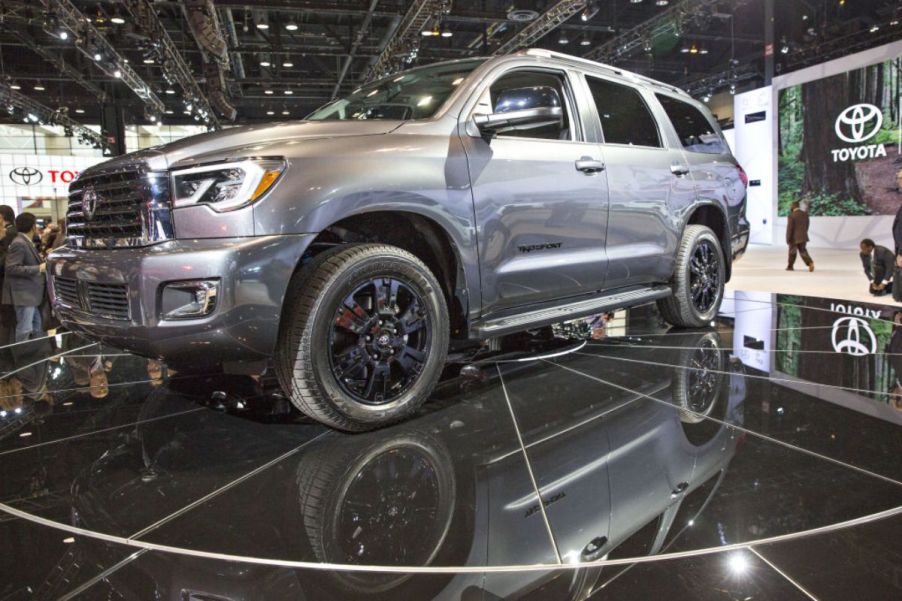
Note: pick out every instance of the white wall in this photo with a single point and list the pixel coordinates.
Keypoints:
(46, 193)
(833, 232)
(756, 152)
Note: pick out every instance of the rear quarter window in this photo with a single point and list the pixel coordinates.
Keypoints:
(695, 131)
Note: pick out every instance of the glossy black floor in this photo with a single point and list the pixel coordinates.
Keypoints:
(758, 459)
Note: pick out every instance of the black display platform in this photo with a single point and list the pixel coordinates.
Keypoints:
(760, 458)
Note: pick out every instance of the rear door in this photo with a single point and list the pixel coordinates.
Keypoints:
(541, 220)
(647, 179)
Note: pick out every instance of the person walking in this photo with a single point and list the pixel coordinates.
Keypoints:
(797, 236)
(7, 235)
(23, 282)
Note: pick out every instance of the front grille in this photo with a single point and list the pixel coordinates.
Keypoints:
(126, 207)
(109, 301)
(66, 291)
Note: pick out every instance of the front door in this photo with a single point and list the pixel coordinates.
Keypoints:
(541, 203)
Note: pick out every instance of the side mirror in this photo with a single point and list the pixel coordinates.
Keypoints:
(522, 108)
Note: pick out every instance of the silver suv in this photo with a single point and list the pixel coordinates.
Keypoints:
(453, 202)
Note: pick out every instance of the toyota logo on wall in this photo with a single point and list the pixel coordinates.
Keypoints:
(853, 336)
(89, 202)
(859, 123)
(26, 176)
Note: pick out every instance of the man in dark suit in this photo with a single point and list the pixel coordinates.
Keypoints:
(7, 235)
(879, 263)
(797, 236)
(23, 282)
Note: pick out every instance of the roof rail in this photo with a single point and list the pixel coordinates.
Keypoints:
(617, 70)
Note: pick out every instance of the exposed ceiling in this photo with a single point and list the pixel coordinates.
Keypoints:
(259, 60)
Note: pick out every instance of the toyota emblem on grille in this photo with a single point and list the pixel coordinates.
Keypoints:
(89, 202)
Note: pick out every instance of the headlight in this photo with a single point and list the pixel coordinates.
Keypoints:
(225, 186)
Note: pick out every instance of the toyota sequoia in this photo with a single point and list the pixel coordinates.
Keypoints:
(454, 202)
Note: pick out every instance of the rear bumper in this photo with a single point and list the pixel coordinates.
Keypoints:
(253, 274)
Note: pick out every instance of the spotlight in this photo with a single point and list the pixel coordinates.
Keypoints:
(733, 88)
(446, 33)
(80, 111)
(117, 74)
(97, 56)
(738, 563)
(662, 2)
(262, 26)
(288, 64)
(170, 91)
(39, 87)
(635, 1)
(585, 41)
(288, 92)
(268, 92)
(784, 46)
(563, 39)
(117, 20)
(15, 86)
(265, 63)
(874, 28)
(291, 26)
(286, 112)
(148, 61)
(270, 112)
(63, 34)
(589, 12)
(706, 98)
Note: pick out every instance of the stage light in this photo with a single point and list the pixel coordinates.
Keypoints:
(170, 91)
(635, 1)
(874, 28)
(738, 563)
(97, 56)
(589, 12)
(585, 41)
(262, 26)
(39, 87)
(446, 33)
(15, 86)
(288, 64)
(117, 20)
(662, 2)
(268, 92)
(286, 112)
(148, 61)
(291, 26)
(117, 74)
(80, 111)
(270, 112)
(562, 40)
(288, 92)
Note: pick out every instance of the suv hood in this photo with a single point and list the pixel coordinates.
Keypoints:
(235, 141)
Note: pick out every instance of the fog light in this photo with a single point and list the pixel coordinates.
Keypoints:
(189, 299)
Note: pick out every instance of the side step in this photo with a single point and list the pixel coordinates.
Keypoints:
(543, 317)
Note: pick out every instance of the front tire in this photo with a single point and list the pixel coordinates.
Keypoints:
(364, 337)
(698, 280)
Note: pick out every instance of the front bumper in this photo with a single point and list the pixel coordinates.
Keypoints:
(253, 273)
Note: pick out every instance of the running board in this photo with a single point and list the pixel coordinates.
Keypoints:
(543, 317)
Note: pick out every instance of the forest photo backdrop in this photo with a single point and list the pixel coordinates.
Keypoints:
(809, 167)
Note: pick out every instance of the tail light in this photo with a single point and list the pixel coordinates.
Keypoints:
(743, 175)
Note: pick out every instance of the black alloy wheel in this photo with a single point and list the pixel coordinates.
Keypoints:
(379, 340)
(363, 338)
(704, 278)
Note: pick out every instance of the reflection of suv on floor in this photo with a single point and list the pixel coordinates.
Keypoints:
(457, 201)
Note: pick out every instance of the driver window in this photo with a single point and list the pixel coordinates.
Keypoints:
(531, 79)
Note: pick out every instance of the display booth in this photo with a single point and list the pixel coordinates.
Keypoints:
(828, 136)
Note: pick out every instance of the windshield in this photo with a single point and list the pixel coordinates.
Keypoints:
(415, 94)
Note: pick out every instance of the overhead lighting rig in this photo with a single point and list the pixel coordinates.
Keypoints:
(669, 22)
(174, 66)
(403, 46)
(37, 113)
(90, 41)
(547, 22)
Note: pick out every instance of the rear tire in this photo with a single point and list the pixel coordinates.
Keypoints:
(698, 280)
(364, 337)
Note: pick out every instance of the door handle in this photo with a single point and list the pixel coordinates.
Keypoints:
(589, 165)
(679, 170)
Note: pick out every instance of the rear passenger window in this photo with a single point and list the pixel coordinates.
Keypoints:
(694, 130)
(625, 118)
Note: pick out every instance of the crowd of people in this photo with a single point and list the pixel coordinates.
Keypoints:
(23, 289)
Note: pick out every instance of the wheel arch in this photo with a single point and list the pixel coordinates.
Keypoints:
(712, 216)
(422, 235)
